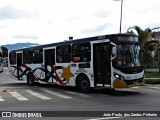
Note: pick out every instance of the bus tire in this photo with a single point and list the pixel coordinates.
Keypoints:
(30, 79)
(83, 84)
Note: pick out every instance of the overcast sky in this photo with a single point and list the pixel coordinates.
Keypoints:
(50, 21)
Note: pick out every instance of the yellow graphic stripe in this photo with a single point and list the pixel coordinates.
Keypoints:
(121, 84)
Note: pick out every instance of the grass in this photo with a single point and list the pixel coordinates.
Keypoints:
(151, 74)
(152, 81)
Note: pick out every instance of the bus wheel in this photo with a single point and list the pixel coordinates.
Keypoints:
(30, 79)
(84, 84)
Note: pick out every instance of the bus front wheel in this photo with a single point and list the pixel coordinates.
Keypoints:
(30, 79)
(83, 84)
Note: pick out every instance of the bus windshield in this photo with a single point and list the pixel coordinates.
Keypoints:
(128, 55)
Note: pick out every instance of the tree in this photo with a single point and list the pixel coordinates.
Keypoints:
(143, 34)
(4, 52)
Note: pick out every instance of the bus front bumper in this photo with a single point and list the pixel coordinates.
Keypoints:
(127, 84)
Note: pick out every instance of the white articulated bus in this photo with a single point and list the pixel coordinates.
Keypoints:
(112, 61)
(1, 61)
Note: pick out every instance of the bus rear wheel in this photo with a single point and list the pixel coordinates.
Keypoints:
(83, 84)
(30, 79)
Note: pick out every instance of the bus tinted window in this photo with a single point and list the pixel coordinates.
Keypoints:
(81, 52)
(38, 56)
(12, 58)
(27, 56)
(63, 54)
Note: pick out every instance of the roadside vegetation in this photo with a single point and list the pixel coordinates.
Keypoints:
(152, 77)
(149, 74)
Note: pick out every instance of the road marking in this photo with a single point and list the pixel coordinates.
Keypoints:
(9, 87)
(135, 87)
(105, 118)
(38, 95)
(18, 96)
(78, 94)
(155, 87)
(150, 90)
(56, 93)
(1, 99)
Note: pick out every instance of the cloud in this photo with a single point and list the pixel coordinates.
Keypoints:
(47, 21)
(103, 14)
(8, 12)
(97, 29)
(25, 37)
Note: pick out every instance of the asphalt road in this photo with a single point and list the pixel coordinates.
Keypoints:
(17, 97)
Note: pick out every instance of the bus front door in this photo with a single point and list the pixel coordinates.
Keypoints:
(101, 63)
(19, 64)
(49, 62)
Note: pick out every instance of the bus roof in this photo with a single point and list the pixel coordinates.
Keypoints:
(74, 41)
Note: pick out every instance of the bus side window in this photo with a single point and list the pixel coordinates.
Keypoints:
(27, 57)
(63, 54)
(81, 52)
(38, 56)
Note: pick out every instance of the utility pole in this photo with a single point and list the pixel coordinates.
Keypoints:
(120, 26)
(121, 16)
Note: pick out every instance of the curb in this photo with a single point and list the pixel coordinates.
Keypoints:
(152, 80)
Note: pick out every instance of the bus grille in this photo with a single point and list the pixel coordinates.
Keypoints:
(135, 81)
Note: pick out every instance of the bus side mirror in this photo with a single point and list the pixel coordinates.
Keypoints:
(114, 52)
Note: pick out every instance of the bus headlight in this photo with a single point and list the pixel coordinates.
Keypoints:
(119, 76)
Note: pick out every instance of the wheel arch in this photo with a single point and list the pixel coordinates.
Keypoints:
(79, 76)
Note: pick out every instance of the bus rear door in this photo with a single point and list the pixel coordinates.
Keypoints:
(101, 64)
(49, 63)
(19, 65)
